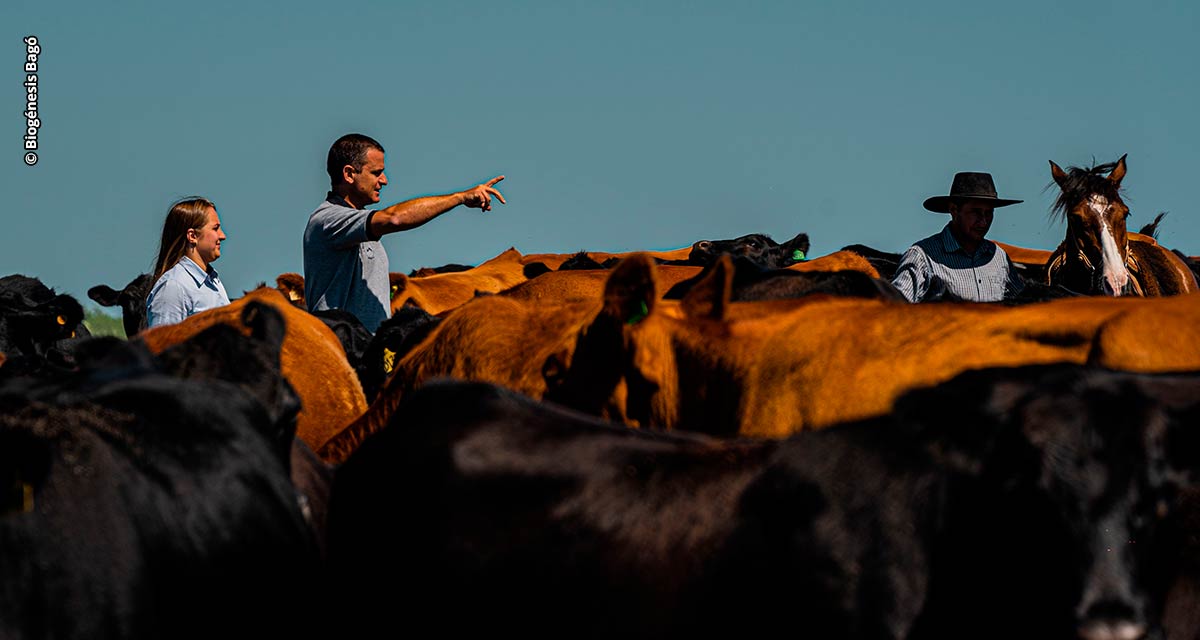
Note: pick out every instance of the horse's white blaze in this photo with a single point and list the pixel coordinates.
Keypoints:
(1112, 259)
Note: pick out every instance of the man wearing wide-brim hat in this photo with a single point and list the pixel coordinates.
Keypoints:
(959, 263)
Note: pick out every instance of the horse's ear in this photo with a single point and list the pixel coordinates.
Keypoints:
(1059, 176)
(1118, 172)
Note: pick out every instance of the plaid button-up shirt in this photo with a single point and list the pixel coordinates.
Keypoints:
(938, 267)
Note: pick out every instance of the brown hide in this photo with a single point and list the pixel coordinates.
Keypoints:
(555, 260)
(773, 368)
(312, 360)
(444, 291)
(837, 261)
(587, 284)
(558, 286)
(1035, 257)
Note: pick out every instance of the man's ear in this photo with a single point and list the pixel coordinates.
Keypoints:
(348, 172)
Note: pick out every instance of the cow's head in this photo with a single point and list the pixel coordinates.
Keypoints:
(291, 285)
(758, 248)
(222, 352)
(131, 299)
(35, 322)
(1079, 469)
(622, 365)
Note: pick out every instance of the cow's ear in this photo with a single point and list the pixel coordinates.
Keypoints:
(399, 282)
(266, 324)
(104, 295)
(799, 243)
(709, 298)
(631, 290)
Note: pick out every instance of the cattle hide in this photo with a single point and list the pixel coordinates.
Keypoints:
(141, 505)
(479, 511)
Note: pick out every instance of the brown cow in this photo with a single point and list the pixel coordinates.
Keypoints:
(312, 359)
(769, 368)
(445, 291)
(837, 261)
(554, 260)
(589, 284)
(291, 285)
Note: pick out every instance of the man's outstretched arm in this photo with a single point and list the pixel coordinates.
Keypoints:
(416, 212)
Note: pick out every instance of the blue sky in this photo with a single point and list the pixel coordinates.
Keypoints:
(619, 125)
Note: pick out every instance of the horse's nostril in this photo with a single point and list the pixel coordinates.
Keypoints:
(703, 245)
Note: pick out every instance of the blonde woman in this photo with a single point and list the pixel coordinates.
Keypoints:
(185, 282)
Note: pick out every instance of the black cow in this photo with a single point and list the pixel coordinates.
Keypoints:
(395, 337)
(349, 330)
(1003, 504)
(756, 247)
(752, 282)
(131, 300)
(138, 504)
(36, 325)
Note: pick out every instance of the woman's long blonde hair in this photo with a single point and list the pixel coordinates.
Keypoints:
(189, 213)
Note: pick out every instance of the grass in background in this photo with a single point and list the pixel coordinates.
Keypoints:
(102, 324)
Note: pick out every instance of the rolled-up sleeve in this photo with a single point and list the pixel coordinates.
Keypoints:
(913, 274)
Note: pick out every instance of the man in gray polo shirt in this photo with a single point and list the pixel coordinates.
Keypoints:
(345, 266)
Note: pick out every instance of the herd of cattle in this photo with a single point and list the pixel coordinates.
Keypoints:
(725, 440)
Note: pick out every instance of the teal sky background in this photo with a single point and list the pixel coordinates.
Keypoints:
(619, 125)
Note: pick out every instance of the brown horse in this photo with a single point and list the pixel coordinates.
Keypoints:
(1098, 257)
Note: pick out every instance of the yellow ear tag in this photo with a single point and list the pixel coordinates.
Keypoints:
(61, 320)
(394, 288)
(293, 296)
(389, 360)
(26, 497)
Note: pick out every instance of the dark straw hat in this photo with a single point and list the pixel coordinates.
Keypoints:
(969, 184)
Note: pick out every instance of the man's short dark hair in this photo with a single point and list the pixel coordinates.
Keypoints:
(350, 149)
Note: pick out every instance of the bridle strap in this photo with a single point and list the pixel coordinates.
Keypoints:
(1131, 264)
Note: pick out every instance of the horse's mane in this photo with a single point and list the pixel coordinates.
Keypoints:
(1082, 182)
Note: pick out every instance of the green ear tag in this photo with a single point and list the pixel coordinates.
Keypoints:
(639, 315)
(797, 256)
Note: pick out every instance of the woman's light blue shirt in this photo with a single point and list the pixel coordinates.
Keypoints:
(185, 289)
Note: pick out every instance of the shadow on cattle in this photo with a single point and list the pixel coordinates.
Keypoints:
(1028, 499)
(150, 496)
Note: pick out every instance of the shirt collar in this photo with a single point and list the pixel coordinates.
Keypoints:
(950, 244)
(198, 274)
(333, 198)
